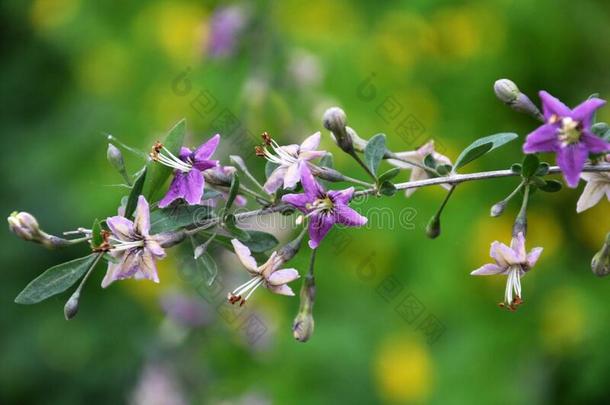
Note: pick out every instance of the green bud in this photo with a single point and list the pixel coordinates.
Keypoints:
(508, 92)
(600, 265)
(303, 327)
(71, 307)
(433, 229)
(335, 121)
(498, 208)
(115, 157)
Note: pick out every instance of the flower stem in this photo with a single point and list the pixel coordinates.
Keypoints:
(520, 225)
(364, 166)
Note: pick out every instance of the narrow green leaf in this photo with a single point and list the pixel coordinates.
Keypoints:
(159, 173)
(233, 190)
(176, 217)
(389, 175)
(269, 168)
(374, 151)
(551, 186)
(136, 190)
(258, 241)
(206, 263)
(543, 169)
(387, 188)
(55, 280)
(482, 146)
(231, 226)
(96, 234)
(530, 165)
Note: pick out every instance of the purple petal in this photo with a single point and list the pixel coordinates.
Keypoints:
(533, 256)
(344, 215)
(125, 268)
(311, 143)
(342, 196)
(487, 270)
(517, 244)
(552, 106)
(299, 201)
(292, 176)
(542, 139)
(185, 153)
(111, 273)
(281, 289)
(202, 165)
(594, 143)
(155, 248)
(310, 185)
(283, 276)
(142, 218)
(312, 154)
(571, 160)
(176, 189)
(319, 225)
(193, 187)
(502, 254)
(275, 180)
(584, 111)
(147, 268)
(206, 150)
(244, 255)
(121, 227)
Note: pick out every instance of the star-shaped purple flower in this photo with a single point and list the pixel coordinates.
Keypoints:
(133, 248)
(324, 208)
(567, 133)
(188, 182)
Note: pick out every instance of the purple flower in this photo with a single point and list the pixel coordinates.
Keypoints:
(323, 208)
(134, 250)
(289, 159)
(188, 182)
(513, 262)
(568, 134)
(225, 26)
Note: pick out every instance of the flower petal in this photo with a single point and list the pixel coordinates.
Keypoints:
(310, 185)
(155, 248)
(299, 201)
(533, 256)
(319, 225)
(571, 160)
(206, 150)
(312, 154)
(121, 227)
(594, 143)
(147, 268)
(312, 142)
(584, 111)
(591, 195)
(503, 255)
(517, 244)
(412, 156)
(552, 106)
(292, 176)
(176, 189)
(281, 289)
(487, 270)
(283, 276)
(344, 215)
(342, 196)
(275, 180)
(142, 218)
(244, 255)
(542, 139)
(185, 153)
(193, 187)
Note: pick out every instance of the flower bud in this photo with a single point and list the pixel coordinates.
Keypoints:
(498, 208)
(600, 265)
(335, 121)
(328, 174)
(508, 92)
(71, 307)
(24, 225)
(433, 229)
(302, 327)
(115, 157)
(217, 178)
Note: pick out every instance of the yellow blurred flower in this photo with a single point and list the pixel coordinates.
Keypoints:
(49, 14)
(403, 369)
(563, 320)
(104, 68)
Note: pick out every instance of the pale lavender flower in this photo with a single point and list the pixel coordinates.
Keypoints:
(418, 156)
(225, 26)
(289, 159)
(133, 249)
(324, 208)
(512, 262)
(567, 133)
(188, 182)
(268, 274)
(598, 185)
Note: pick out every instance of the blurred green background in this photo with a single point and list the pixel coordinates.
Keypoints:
(74, 70)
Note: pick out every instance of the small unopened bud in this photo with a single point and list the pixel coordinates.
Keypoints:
(433, 229)
(115, 157)
(328, 174)
(24, 225)
(217, 178)
(71, 307)
(498, 208)
(302, 327)
(600, 265)
(335, 120)
(508, 92)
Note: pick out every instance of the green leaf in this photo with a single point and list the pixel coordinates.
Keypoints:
(206, 263)
(136, 191)
(233, 190)
(551, 186)
(389, 175)
(269, 168)
(530, 165)
(602, 130)
(429, 161)
(231, 226)
(387, 188)
(258, 241)
(543, 169)
(55, 280)
(516, 168)
(538, 182)
(482, 146)
(327, 160)
(374, 151)
(159, 173)
(176, 217)
(444, 170)
(96, 234)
